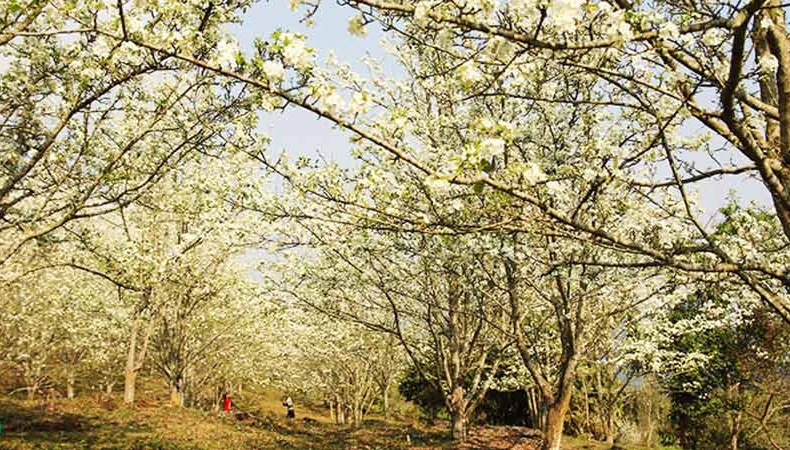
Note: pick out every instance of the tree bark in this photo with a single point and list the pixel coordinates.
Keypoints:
(340, 410)
(386, 402)
(457, 406)
(609, 427)
(130, 372)
(555, 422)
(458, 430)
(134, 361)
(735, 430)
(176, 396)
(70, 384)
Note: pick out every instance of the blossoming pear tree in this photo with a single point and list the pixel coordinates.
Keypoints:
(328, 359)
(184, 224)
(89, 123)
(696, 93)
(60, 329)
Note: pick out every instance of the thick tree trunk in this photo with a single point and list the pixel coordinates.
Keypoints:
(457, 407)
(458, 430)
(178, 391)
(555, 421)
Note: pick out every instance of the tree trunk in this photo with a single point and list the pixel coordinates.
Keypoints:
(586, 392)
(457, 407)
(357, 413)
(70, 384)
(340, 410)
(134, 361)
(735, 429)
(537, 411)
(176, 396)
(458, 430)
(555, 421)
(649, 437)
(130, 372)
(609, 426)
(386, 402)
(129, 383)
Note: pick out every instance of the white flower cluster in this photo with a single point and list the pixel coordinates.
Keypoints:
(273, 70)
(564, 14)
(225, 53)
(295, 51)
(469, 74)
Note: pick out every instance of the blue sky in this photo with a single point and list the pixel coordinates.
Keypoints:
(296, 131)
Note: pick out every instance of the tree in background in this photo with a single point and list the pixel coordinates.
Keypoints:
(734, 396)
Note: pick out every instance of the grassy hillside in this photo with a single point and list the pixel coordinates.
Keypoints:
(104, 424)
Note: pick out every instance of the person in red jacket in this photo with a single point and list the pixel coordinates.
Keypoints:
(227, 403)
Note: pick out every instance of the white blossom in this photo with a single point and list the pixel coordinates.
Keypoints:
(225, 53)
(273, 70)
(421, 12)
(469, 73)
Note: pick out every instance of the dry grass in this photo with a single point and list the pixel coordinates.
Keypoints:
(87, 423)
